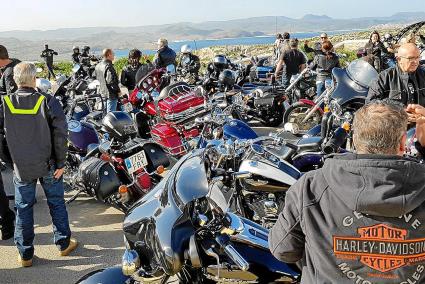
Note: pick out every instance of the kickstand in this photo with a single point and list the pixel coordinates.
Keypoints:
(74, 196)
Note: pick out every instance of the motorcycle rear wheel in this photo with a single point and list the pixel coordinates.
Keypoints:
(297, 112)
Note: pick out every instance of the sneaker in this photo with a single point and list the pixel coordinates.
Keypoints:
(24, 263)
(72, 246)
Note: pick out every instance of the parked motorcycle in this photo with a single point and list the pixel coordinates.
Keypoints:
(183, 228)
(167, 116)
(347, 93)
(122, 169)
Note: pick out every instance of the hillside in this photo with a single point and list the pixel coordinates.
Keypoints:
(27, 45)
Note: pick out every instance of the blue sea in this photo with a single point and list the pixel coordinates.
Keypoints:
(198, 44)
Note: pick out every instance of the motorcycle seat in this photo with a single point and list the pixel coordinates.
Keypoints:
(310, 144)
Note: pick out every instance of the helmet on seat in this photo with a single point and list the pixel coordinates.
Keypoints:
(227, 79)
(220, 62)
(186, 49)
(119, 125)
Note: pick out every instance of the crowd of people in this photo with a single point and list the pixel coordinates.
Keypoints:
(373, 186)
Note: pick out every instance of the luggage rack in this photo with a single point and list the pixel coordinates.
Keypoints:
(173, 151)
(179, 92)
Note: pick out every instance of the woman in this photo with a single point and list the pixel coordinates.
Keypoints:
(375, 51)
(324, 63)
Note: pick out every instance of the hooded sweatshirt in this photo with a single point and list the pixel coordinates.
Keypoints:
(360, 219)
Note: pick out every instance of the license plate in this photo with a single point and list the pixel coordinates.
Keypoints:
(127, 107)
(136, 162)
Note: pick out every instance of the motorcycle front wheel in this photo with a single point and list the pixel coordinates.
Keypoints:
(296, 114)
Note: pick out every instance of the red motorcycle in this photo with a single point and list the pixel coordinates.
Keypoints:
(167, 111)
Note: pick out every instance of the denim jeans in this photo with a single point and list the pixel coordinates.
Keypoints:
(320, 86)
(111, 105)
(24, 201)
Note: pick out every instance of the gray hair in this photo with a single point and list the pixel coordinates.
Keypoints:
(163, 42)
(24, 74)
(379, 127)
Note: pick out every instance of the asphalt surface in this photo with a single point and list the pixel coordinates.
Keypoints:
(96, 226)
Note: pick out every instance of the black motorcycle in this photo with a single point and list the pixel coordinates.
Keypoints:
(120, 170)
(183, 229)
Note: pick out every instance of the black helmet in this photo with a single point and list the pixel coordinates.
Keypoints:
(86, 48)
(227, 78)
(220, 62)
(119, 125)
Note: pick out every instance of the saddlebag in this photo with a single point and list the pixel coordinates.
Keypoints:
(99, 178)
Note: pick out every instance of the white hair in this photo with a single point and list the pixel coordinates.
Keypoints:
(24, 74)
(163, 42)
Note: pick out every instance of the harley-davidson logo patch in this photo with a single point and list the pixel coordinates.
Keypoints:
(380, 247)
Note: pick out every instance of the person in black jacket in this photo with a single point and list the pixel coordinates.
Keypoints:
(291, 62)
(376, 51)
(165, 55)
(189, 64)
(75, 55)
(324, 63)
(33, 134)
(359, 219)
(132, 70)
(48, 54)
(7, 86)
(317, 46)
(108, 79)
(405, 82)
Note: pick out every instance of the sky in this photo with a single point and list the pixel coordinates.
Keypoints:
(54, 14)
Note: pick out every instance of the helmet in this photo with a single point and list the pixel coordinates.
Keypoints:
(119, 125)
(227, 78)
(186, 49)
(86, 48)
(220, 61)
(43, 85)
(75, 47)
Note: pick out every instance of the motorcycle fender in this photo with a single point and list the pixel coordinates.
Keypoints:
(270, 171)
(310, 103)
(112, 275)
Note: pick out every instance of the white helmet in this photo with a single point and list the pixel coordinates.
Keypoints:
(43, 85)
(186, 49)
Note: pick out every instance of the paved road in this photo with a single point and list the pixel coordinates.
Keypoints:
(97, 228)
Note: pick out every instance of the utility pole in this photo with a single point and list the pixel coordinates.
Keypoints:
(275, 25)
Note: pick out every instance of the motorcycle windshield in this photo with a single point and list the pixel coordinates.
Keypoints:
(353, 82)
(190, 180)
(362, 73)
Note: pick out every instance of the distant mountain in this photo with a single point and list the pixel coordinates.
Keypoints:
(145, 36)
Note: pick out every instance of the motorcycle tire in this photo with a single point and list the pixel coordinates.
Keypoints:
(296, 113)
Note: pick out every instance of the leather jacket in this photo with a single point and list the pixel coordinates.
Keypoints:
(75, 58)
(164, 57)
(128, 76)
(7, 84)
(397, 85)
(107, 76)
(324, 66)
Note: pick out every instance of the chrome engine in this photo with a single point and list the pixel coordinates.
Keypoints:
(266, 207)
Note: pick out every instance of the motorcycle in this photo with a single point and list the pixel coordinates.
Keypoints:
(183, 228)
(122, 169)
(348, 91)
(168, 116)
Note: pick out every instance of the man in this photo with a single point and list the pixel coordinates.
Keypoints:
(165, 55)
(7, 86)
(359, 218)
(291, 62)
(48, 54)
(405, 82)
(33, 133)
(189, 62)
(317, 46)
(282, 45)
(107, 76)
(75, 55)
(131, 71)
